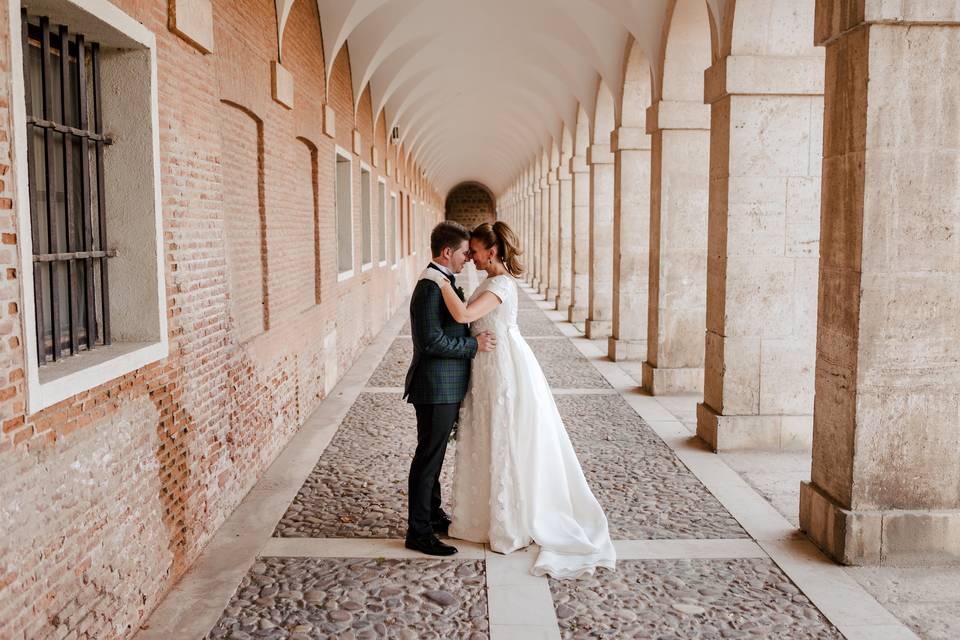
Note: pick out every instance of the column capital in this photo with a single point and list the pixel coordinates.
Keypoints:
(629, 139)
(764, 75)
(563, 172)
(599, 154)
(552, 177)
(578, 164)
(543, 184)
(834, 19)
(671, 114)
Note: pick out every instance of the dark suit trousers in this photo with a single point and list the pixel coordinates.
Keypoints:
(434, 423)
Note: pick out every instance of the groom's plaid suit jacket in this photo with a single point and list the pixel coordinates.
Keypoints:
(442, 349)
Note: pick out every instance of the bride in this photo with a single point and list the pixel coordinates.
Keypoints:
(517, 479)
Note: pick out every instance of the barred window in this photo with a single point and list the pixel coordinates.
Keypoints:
(65, 144)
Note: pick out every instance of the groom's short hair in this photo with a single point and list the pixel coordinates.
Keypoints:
(447, 234)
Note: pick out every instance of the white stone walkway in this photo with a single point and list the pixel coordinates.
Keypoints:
(520, 605)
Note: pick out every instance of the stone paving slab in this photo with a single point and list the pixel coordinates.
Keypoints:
(351, 598)
(646, 492)
(687, 599)
(564, 366)
(358, 489)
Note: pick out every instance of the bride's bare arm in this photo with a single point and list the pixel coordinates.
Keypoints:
(484, 304)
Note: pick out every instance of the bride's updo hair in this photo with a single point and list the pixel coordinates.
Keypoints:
(508, 246)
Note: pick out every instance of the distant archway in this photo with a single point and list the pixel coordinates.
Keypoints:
(470, 204)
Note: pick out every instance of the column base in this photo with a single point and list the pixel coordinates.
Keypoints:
(665, 382)
(770, 432)
(577, 314)
(551, 296)
(535, 284)
(598, 329)
(620, 350)
(889, 537)
(563, 302)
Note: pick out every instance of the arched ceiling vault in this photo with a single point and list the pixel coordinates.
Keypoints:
(479, 89)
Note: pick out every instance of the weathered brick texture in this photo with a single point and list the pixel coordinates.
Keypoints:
(110, 495)
(470, 205)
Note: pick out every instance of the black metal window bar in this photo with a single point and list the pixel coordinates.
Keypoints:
(67, 209)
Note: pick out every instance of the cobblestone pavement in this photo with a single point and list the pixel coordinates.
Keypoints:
(320, 598)
(563, 365)
(359, 487)
(684, 599)
(357, 490)
(645, 490)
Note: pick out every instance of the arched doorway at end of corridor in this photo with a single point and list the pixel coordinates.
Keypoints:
(471, 204)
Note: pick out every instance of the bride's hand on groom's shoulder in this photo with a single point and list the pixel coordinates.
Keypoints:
(436, 277)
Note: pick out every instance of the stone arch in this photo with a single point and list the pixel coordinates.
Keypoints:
(637, 87)
(687, 51)
(603, 120)
(470, 203)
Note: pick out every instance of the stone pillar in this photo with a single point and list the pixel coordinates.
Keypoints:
(631, 243)
(543, 250)
(885, 478)
(530, 233)
(680, 151)
(537, 244)
(600, 319)
(565, 228)
(553, 252)
(579, 307)
(763, 249)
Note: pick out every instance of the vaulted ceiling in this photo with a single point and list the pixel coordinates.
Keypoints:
(478, 89)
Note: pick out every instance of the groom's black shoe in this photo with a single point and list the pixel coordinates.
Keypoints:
(440, 523)
(430, 545)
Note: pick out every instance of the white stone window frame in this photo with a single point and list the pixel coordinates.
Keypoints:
(340, 152)
(395, 214)
(382, 182)
(364, 167)
(140, 337)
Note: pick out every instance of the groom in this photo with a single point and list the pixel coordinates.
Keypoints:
(436, 384)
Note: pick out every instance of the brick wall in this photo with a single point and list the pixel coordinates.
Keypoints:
(470, 205)
(110, 495)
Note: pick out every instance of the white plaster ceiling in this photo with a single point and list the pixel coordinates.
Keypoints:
(478, 89)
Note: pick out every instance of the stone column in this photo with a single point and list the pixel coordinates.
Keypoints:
(565, 228)
(530, 233)
(600, 319)
(579, 307)
(680, 151)
(631, 243)
(553, 251)
(885, 478)
(763, 248)
(543, 250)
(537, 244)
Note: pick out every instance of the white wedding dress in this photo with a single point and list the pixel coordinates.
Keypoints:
(517, 479)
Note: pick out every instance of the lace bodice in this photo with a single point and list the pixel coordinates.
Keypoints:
(505, 315)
